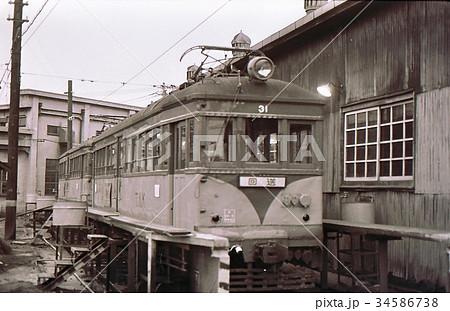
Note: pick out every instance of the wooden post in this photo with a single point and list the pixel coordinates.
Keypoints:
(324, 272)
(151, 264)
(13, 123)
(131, 276)
(383, 264)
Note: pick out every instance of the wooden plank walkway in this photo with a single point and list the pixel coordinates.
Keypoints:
(383, 234)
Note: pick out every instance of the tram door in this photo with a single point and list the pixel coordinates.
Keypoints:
(179, 158)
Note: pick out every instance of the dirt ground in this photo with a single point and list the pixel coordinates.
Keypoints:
(22, 268)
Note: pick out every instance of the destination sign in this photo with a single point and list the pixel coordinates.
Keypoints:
(269, 182)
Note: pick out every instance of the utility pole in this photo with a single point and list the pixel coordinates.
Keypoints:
(13, 130)
(69, 115)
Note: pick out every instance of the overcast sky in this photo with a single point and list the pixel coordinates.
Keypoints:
(110, 42)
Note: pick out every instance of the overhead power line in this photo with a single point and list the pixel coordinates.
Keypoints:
(84, 79)
(161, 55)
(6, 73)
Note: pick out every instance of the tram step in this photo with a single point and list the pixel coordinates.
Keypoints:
(75, 249)
(96, 236)
(63, 262)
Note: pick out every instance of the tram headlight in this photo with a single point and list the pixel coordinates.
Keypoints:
(260, 68)
(305, 200)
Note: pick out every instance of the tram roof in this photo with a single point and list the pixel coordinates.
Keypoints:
(241, 89)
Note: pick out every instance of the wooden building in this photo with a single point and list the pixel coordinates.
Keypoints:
(387, 133)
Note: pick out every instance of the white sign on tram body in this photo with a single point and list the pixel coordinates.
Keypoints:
(269, 182)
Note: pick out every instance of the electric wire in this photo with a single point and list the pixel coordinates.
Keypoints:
(85, 79)
(161, 55)
(34, 19)
(31, 35)
(40, 24)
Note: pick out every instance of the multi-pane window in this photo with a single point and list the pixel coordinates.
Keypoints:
(142, 152)
(104, 160)
(75, 167)
(396, 141)
(51, 176)
(378, 143)
(3, 181)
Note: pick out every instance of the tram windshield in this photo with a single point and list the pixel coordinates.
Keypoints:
(218, 146)
(254, 141)
(261, 140)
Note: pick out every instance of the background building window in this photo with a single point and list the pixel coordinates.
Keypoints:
(378, 143)
(51, 176)
(22, 121)
(53, 130)
(3, 181)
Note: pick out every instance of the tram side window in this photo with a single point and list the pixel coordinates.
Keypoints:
(261, 144)
(121, 155)
(99, 162)
(134, 154)
(104, 161)
(181, 145)
(299, 154)
(139, 153)
(191, 139)
(110, 159)
(85, 165)
(62, 170)
(128, 155)
(165, 151)
(217, 148)
(146, 152)
(152, 149)
(160, 147)
(75, 167)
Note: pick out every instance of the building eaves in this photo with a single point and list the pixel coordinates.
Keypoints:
(323, 14)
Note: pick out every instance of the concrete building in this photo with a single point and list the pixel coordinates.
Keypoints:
(43, 138)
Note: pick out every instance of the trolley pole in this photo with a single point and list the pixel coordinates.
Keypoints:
(13, 130)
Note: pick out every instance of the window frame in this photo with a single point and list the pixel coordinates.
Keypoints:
(314, 132)
(3, 182)
(56, 127)
(55, 174)
(388, 101)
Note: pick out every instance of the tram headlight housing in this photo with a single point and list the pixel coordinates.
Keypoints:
(260, 68)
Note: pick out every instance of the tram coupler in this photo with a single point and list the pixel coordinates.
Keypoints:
(271, 252)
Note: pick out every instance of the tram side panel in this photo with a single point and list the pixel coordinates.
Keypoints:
(146, 198)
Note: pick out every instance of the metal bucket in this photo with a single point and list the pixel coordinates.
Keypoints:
(69, 214)
(363, 212)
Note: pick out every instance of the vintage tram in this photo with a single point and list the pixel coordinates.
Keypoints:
(232, 153)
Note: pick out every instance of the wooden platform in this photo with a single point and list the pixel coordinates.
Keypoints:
(390, 231)
(383, 234)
